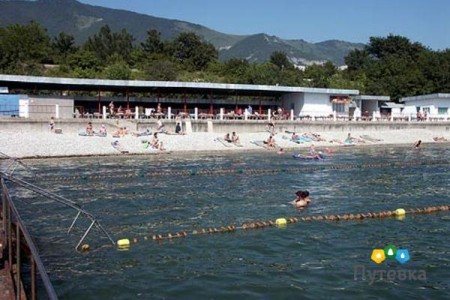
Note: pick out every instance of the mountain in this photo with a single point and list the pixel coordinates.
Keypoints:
(83, 20)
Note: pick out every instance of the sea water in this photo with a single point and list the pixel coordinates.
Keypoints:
(306, 260)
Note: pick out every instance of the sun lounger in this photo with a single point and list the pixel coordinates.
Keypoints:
(223, 142)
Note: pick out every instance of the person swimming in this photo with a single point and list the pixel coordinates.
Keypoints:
(302, 199)
(318, 156)
(417, 144)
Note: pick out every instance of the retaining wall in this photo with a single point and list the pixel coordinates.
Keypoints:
(218, 126)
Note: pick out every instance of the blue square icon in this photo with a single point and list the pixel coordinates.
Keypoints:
(402, 255)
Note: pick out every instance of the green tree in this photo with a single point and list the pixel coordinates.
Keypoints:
(64, 45)
(192, 53)
(380, 48)
(319, 75)
(340, 80)
(281, 60)
(290, 77)
(266, 73)
(153, 43)
(235, 69)
(393, 66)
(358, 60)
(84, 63)
(118, 70)
(107, 43)
(22, 46)
(163, 70)
(436, 70)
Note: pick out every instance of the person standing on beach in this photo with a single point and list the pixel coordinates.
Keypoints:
(417, 144)
(111, 108)
(271, 126)
(159, 108)
(51, 124)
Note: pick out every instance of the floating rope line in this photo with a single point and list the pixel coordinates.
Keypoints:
(398, 213)
(207, 172)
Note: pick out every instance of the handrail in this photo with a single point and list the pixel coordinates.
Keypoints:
(62, 200)
(11, 211)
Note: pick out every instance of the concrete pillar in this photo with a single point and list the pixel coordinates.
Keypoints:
(56, 111)
(392, 117)
(374, 116)
(104, 112)
(221, 113)
(196, 113)
(169, 113)
(269, 114)
(188, 125)
(334, 116)
(292, 115)
(409, 117)
(210, 126)
(136, 112)
(245, 114)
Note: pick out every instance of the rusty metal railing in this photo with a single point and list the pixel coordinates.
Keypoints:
(17, 239)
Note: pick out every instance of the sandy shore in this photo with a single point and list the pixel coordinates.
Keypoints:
(38, 143)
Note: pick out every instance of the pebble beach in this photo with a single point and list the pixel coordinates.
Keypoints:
(37, 143)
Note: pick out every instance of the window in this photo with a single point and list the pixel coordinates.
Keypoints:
(339, 107)
(442, 110)
(426, 110)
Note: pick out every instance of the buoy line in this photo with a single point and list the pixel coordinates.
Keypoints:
(398, 213)
(206, 172)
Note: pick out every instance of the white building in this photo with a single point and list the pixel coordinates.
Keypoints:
(314, 103)
(434, 106)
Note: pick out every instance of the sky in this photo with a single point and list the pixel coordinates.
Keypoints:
(423, 21)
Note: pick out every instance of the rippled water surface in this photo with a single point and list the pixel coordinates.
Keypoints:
(307, 260)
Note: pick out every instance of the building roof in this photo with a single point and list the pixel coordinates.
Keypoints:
(426, 97)
(372, 98)
(75, 84)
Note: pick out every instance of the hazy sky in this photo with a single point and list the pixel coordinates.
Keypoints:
(424, 21)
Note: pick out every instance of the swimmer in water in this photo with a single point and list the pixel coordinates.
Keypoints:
(302, 199)
(417, 144)
(281, 151)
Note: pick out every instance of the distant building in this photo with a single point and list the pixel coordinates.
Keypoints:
(181, 96)
(432, 105)
(368, 106)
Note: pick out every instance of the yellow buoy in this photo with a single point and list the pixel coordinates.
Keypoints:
(281, 221)
(123, 243)
(400, 212)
